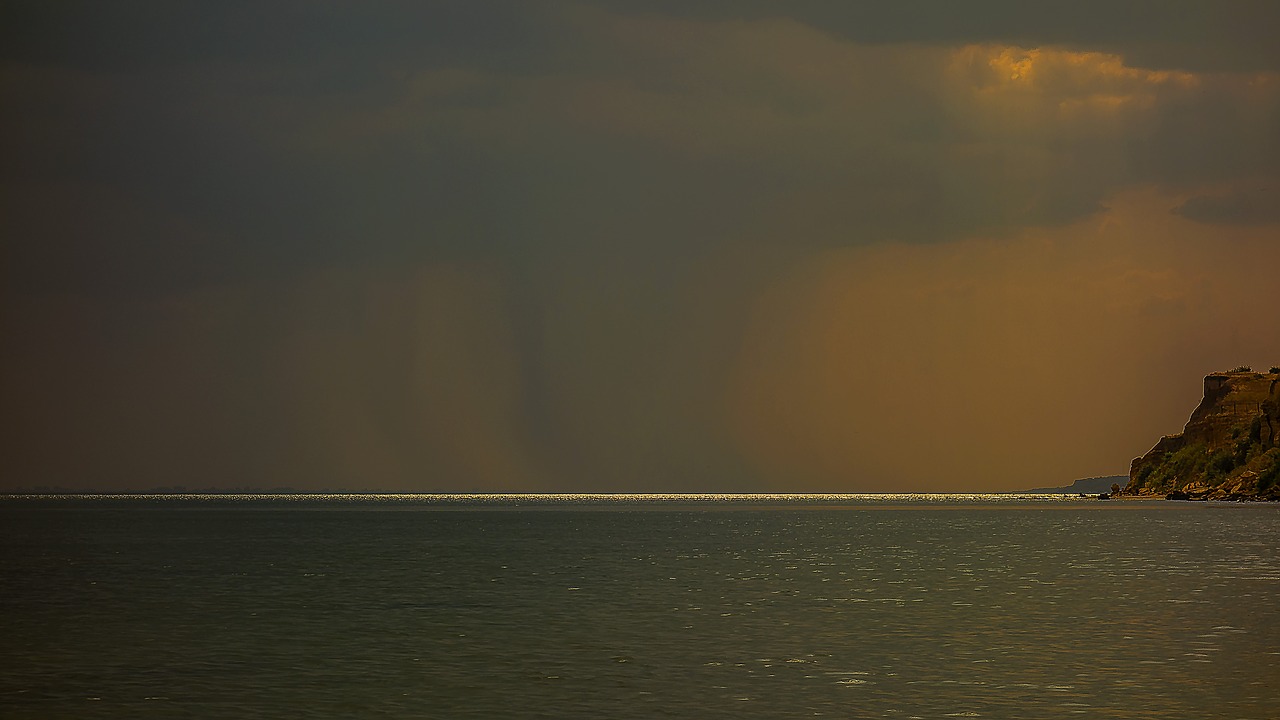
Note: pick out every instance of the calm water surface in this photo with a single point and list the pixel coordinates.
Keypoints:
(431, 608)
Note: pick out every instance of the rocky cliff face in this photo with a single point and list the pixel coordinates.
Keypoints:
(1230, 448)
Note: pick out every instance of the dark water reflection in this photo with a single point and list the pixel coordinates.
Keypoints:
(928, 611)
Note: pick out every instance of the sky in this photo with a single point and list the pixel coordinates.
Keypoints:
(695, 246)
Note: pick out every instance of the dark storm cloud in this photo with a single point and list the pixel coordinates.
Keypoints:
(144, 34)
(290, 135)
(1235, 35)
(1259, 206)
(1230, 35)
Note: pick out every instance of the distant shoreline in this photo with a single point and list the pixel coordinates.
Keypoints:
(743, 499)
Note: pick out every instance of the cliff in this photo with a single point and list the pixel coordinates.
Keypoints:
(1229, 449)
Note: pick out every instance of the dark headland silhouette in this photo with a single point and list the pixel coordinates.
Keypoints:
(1086, 486)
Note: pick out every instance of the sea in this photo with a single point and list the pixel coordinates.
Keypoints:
(637, 606)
